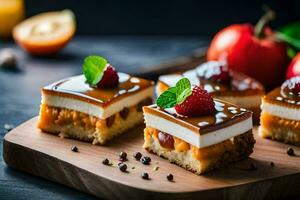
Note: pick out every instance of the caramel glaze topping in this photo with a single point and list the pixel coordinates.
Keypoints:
(282, 96)
(226, 114)
(238, 85)
(77, 88)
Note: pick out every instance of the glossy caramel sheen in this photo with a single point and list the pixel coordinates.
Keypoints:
(239, 84)
(76, 87)
(282, 96)
(226, 114)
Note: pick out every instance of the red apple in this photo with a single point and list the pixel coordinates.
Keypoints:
(294, 67)
(262, 58)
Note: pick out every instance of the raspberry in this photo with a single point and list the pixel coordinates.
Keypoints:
(214, 71)
(198, 103)
(292, 85)
(296, 89)
(110, 78)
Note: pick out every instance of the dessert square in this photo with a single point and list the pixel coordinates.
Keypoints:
(202, 143)
(75, 109)
(280, 117)
(237, 88)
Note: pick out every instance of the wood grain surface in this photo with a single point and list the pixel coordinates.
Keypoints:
(28, 149)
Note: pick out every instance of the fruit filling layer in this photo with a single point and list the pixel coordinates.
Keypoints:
(279, 128)
(202, 131)
(169, 142)
(78, 125)
(76, 94)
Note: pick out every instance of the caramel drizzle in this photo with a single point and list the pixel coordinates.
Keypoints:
(239, 82)
(225, 115)
(76, 87)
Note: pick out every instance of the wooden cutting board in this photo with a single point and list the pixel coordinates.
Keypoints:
(50, 157)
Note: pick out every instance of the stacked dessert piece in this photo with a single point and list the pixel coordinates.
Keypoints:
(95, 106)
(221, 83)
(280, 118)
(193, 130)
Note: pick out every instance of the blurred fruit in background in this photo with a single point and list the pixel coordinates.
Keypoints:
(11, 13)
(45, 33)
(252, 50)
(294, 67)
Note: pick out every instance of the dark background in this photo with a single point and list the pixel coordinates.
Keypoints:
(133, 35)
(164, 17)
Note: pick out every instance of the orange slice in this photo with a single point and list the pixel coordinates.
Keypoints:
(45, 33)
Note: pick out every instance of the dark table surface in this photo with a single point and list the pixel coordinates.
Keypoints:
(20, 92)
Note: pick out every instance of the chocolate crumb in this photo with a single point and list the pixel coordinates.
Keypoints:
(133, 167)
(137, 155)
(272, 164)
(105, 161)
(122, 167)
(252, 166)
(145, 176)
(170, 177)
(74, 148)
(290, 151)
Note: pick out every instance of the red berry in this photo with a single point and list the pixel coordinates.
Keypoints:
(214, 71)
(296, 89)
(198, 103)
(166, 140)
(292, 85)
(110, 78)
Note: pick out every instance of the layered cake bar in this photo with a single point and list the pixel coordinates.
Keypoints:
(79, 108)
(221, 83)
(280, 118)
(198, 133)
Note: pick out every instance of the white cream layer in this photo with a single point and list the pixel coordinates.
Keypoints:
(281, 111)
(195, 138)
(94, 110)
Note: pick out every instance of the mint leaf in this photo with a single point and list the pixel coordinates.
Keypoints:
(93, 68)
(290, 34)
(175, 95)
(181, 85)
(167, 99)
(185, 93)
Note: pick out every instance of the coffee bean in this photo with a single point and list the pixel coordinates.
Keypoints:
(122, 167)
(74, 148)
(146, 160)
(105, 161)
(137, 155)
(290, 151)
(170, 177)
(145, 176)
(123, 155)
